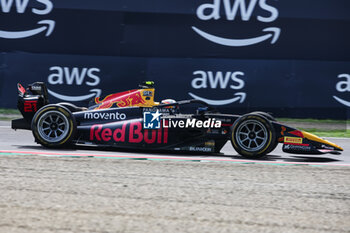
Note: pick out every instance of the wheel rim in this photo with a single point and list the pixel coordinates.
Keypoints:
(251, 135)
(53, 126)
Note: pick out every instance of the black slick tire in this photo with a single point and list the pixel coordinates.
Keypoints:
(264, 114)
(53, 126)
(253, 136)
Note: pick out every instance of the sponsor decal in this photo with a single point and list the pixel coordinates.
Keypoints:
(30, 106)
(293, 140)
(297, 147)
(104, 115)
(200, 149)
(121, 100)
(219, 81)
(87, 77)
(163, 111)
(151, 120)
(192, 123)
(42, 7)
(128, 132)
(343, 86)
(210, 143)
(213, 11)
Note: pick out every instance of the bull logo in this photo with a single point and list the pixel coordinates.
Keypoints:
(120, 100)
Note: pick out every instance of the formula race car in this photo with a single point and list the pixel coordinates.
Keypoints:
(131, 119)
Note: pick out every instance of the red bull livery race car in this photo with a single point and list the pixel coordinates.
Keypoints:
(131, 119)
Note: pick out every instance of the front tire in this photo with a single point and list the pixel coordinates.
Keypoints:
(53, 126)
(252, 136)
(264, 114)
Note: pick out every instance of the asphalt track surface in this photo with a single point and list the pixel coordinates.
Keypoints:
(88, 190)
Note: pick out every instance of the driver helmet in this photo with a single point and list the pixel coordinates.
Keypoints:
(168, 101)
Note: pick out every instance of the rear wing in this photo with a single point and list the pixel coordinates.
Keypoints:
(30, 100)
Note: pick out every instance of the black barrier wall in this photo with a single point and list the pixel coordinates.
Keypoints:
(291, 58)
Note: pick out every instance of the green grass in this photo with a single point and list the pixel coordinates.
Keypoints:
(329, 133)
(7, 118)
(7, 114)
(9, 111)
(309, 120)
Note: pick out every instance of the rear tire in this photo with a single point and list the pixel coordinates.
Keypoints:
(53, 126)
(253, 136)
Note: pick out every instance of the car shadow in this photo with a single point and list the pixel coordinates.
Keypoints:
(41, 148)
(268, 158)
(298, 159)
(307, 159)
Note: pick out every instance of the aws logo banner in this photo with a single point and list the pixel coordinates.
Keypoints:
(64, 83)
(239, 13)
(343, 89)
(39, 8)
(218, 82)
